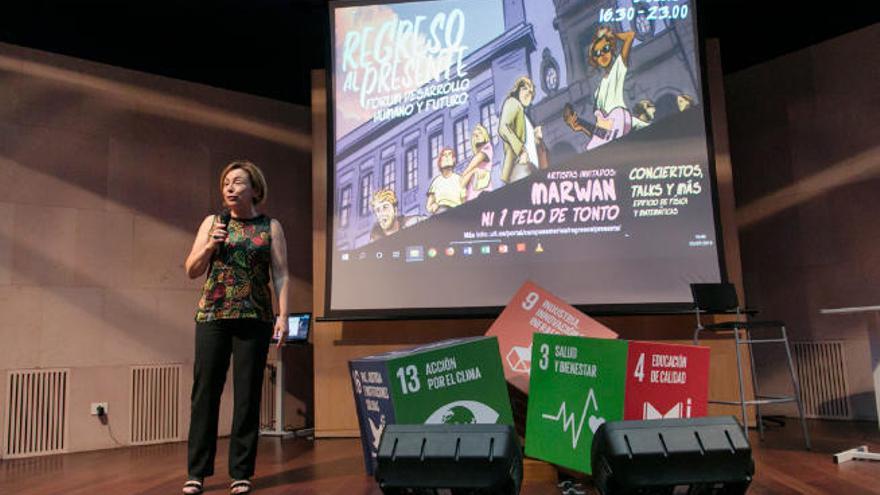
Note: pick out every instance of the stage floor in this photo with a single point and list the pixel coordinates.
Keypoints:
(334, 466)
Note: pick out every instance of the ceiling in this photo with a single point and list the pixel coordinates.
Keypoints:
(268, 47)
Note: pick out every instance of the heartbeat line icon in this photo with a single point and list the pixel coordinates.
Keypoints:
(569, 422)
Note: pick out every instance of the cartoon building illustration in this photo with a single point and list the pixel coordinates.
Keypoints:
(547, 42)
(662, 65)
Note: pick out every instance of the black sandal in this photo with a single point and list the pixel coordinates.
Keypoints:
(239, 487)
(193, 487)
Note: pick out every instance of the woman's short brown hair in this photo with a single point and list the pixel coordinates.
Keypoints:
(258, 180)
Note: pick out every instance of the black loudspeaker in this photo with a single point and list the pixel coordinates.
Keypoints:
(672, 456)
(466, 459)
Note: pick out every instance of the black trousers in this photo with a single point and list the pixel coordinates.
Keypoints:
(247, 341)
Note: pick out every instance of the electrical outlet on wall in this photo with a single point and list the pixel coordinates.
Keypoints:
(95, 405)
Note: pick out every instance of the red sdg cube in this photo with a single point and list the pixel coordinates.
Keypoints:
(666, 381)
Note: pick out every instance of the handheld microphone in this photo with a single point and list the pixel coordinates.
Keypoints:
(225, 216)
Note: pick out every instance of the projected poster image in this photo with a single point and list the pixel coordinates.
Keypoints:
(481, 143)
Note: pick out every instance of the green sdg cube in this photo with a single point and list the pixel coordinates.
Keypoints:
(457, 381)
(576, 385)
(454, 382)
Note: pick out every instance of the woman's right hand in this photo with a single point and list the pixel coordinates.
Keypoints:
(210, 236)
(217, 236)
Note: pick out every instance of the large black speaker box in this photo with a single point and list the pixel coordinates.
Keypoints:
(466, 459)
(672, 456)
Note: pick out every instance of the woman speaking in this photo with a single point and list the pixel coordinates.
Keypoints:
(242, 251)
